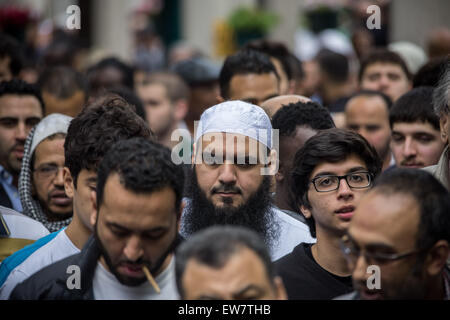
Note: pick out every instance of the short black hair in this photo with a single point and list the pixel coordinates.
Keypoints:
(275, 50)
(244, 61)
(331, 145)
(131, 97)
(430, 195)
(415, 106)
(372, 93)
(61, 81)
(127, 73)
(143, 166)
(383, 56)
(9, 47)
(334, 65)
(430, 73)
(98, 126)
(214, 246)
(309, 114)
(21, 88)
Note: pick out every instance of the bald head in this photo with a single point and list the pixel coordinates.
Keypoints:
(272, 105)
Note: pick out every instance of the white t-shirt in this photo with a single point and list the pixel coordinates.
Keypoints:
(107, 287)
(292, 233)
(22, 226)
(57, 249)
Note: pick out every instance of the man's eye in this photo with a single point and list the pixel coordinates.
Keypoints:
(8, 123)
(356, 178)
(425, 138)
(327, 181)
(397, 138)
(372, 128)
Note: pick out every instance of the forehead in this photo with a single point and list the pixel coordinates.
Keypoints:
(19, 105)
(409, 128)
(49, 149)
(138, 211)
(392, 219)
(230, 143)
(384, 67)
(367, 107)
(153, 88)
(242, 268)
(339, 168)
(245, 85)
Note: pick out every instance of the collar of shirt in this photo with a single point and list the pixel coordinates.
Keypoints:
(5, 176)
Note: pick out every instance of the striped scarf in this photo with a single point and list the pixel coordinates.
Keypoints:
(31, 207)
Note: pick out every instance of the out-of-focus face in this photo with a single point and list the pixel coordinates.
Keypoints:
(369, 116)
(202, 97)
(253, 88)
(243, 277)
(135, 230)
(158, 107)
(48, 179)
(386, 224)
(416, 145)
(5, 72)
(284, 81)
(18, 114)
(229, 183)
(70, 106)
(333, 210)
(386, 77)
(81, 195)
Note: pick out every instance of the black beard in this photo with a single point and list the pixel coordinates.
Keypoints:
(255, 214)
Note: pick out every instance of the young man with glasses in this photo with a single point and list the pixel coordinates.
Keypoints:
(402, 229)
(329, 175)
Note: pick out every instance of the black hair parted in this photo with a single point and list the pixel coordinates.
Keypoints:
(143, 166)
(98, 126)
(331, 145)
(432, 198)
(309, 114)
(214, 246)
(245, 61)
(415, 106)
(21, 88)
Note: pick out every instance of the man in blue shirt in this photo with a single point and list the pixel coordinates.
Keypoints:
(21, 108)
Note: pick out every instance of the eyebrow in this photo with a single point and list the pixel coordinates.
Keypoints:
(91, 180)
(372, 246)
(124, 229)
(241, 292)
(329, 173)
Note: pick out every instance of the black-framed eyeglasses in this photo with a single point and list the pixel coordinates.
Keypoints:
(352, 252)
(355, 180)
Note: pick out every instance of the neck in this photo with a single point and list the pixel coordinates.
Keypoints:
(436, 289)
(165, 138)
(77, 232)
(281, 199)
(387, 161)
(327, 253)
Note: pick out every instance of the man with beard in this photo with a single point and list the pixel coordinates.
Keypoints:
(21, 108)
(367, 113)
(89, 137)
(41, 182)
(136, 213)
(230, 184)
(401, 226)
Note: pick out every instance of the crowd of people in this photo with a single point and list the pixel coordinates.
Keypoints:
(233, 181)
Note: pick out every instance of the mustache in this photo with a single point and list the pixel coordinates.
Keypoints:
(17, 144)
(226, 188)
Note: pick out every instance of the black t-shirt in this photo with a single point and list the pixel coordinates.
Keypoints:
(305, 279)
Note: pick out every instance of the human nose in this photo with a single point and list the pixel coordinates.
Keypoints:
(409, 148)
(360, 269)
(227, 174)
(21, 133)
(344, 189)
(133, 249)
(59, 178)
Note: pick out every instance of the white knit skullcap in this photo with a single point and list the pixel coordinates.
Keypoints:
(236, 117)
(51, 124)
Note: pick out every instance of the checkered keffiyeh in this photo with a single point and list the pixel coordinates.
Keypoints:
(31, 207)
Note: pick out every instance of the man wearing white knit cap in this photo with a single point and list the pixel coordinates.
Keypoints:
(234, 157)
(41, 183)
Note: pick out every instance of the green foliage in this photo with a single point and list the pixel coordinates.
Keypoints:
(246, 19)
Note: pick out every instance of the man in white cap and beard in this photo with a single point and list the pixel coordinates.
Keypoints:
(41, 182)
(234, 157)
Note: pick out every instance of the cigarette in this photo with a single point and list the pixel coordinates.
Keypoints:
(151, 279)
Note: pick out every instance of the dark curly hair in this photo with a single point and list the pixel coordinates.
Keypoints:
(309, 114)
(21, 88)
(244, 62)
(331, 145)
(143, 167)
(99, 125)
